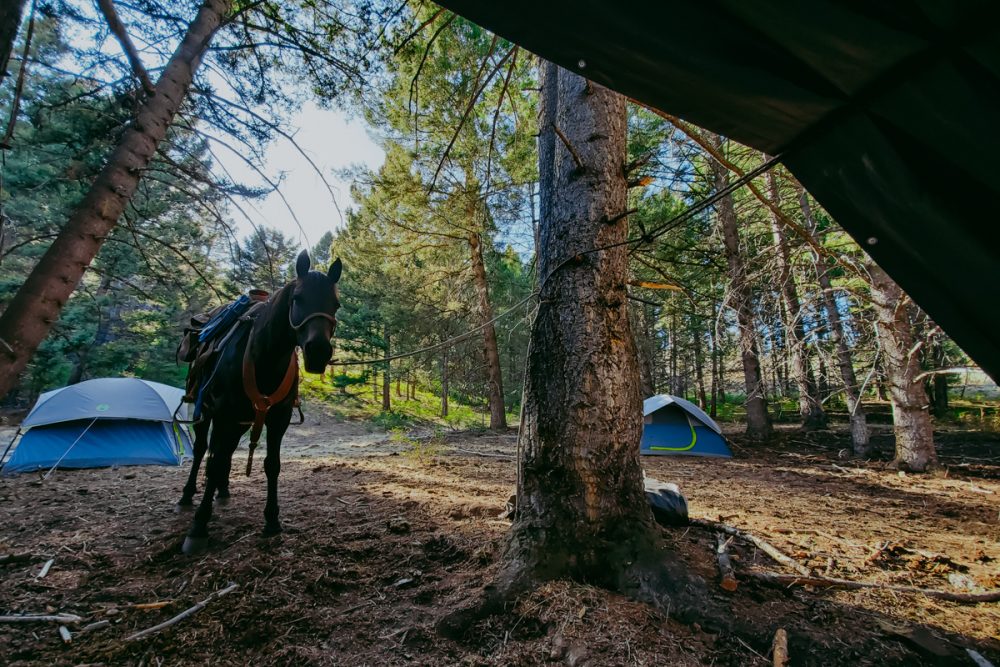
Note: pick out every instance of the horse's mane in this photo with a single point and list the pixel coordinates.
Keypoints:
(273, 317)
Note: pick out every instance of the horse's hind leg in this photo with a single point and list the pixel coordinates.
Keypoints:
(224, 441)
(200, 446)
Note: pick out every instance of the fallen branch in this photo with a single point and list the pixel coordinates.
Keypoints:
(152, 605)
(486, 454)
(41, 618)
(830, 582)
(779, 648)
(184, 614)
(767, 548)
(45, 569)
(727, 578)
(96, 625)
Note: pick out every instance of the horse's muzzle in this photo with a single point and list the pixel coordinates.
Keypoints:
(317, 353)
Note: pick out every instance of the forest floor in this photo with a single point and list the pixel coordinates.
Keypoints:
(384, 534)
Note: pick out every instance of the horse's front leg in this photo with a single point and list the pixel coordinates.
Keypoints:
(225, 438)
(200, 447)
(277, 424)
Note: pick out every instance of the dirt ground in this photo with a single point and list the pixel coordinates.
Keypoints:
(383, 536)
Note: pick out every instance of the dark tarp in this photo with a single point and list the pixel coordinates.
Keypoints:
(886, 112)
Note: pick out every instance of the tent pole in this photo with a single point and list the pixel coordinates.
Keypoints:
(56, 464)
(9, 445)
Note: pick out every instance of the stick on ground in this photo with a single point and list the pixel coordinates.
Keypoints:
(41, 618)
(45, 569)
(779, 648)
(767, 548)
(727, 578)
(830, 582)
(184, 614)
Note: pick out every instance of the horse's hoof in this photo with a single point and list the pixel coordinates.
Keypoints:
(194, 545)
(183, 507)
(222, 499)
(272, 529)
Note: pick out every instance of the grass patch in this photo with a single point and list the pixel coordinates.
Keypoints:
(423, 410)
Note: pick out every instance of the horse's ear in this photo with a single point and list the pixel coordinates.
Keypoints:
(335, 269)
(302, 264)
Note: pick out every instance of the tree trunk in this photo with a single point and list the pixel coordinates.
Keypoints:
(911, 420)
(717, 390)
(386, 382)
(582, 512)
(444, 383)
(37, 304)
(491, 351)
(10, 21)
(939, 384)
(698, 371)
(810, 409)
(845, 362)
(758, 420)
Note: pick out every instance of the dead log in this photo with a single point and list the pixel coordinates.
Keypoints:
(764, 546)
(727, 577)
(831, 582)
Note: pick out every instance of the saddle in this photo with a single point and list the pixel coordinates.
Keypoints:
(206, 336)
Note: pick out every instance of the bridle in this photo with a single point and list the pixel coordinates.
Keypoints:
(262, 403)
(296, 327)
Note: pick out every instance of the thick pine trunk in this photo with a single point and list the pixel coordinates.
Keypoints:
(491, 350)
(910, 417)
(758, 420)
(810, 409)
(37, 304)
(582, 511)
(845, 361)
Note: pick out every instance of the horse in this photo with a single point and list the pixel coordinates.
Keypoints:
(254, 384)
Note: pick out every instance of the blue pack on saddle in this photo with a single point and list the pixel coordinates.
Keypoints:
(205, 338)
(224, 319)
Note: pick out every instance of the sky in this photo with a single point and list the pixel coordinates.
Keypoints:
(333, 141)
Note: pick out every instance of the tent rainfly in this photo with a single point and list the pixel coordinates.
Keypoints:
(102, 422)
(673, 425)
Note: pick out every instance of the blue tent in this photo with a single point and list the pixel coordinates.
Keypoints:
(102, 422)
(673, 426)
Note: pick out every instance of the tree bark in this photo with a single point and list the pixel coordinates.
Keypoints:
(491, 350)
(10, 20)
(698, 371)
(939, 383)
(910, 417)
(37, 304)
(582, 511)
(444, 383)
(386, 382)
(758, 420)
(845, 361)
(810, 408)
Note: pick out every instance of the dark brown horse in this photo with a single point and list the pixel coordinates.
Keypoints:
(256, 376)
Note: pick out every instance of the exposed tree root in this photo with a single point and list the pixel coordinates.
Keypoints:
(652, 578)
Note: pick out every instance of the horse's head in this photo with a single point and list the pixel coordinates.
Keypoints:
(312, 311)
